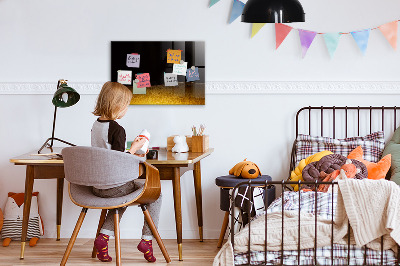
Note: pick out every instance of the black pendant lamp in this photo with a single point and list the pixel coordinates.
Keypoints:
(273, 11)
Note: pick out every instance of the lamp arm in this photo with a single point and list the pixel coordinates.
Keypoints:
(54, 118)
(54, 126)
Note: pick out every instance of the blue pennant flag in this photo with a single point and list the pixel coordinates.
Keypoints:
(332, 41)
(213, 2)
(237, 9)
(361, 38)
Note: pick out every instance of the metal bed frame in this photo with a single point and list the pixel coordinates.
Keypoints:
(283, 184)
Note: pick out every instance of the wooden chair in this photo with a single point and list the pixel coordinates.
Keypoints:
(85, 167)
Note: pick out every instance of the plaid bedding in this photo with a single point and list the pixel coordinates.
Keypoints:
(323, 207)
(372, 145)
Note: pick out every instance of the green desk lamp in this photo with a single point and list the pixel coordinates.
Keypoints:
(65, 96)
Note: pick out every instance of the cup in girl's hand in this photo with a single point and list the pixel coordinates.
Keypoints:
(144, 134)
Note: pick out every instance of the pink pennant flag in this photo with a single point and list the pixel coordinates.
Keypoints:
(306, 39)
(281, 31)
(389, 30)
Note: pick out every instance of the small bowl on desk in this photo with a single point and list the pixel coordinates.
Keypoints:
(152, 155)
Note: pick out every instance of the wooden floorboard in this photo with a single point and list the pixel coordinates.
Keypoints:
(50, 252)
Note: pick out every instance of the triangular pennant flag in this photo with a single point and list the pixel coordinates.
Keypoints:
(281, 31)
(361, 37)
(256, 28)
(332, 41)
(389, 30)
(306, 39)
(237, 9)
(213, 2)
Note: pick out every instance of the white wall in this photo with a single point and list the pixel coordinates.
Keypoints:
(43, 41)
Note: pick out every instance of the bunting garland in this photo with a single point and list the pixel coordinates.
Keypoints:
(332, 41)
(237, 9)
(361, 37)
(256, 27)
(389, 30)
(213, 2)
(281, 31)
(306, 39)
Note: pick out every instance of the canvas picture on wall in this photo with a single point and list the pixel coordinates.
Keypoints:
(160, 72)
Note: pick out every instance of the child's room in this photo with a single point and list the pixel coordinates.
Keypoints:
(207, 132)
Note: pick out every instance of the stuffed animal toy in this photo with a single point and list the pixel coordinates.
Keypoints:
(375, 170)
(245, 169)
(13, 215)
(180, 144)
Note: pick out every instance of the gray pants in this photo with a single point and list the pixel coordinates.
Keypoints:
(154, 208)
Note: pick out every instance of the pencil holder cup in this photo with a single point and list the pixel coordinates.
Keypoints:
(200, 143)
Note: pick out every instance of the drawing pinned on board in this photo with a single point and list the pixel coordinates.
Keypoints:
(144, 80)
(124, 77)
(170, 79)
(180, 69)
(192, 74)
(174, 56)
(133, 60)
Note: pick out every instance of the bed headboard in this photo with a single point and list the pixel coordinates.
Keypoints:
(344, 121)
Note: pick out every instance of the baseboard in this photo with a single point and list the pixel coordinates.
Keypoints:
(231, 87)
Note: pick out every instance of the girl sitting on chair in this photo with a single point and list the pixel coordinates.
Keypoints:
(112, 104)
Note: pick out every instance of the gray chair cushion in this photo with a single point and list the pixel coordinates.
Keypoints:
(84, 196)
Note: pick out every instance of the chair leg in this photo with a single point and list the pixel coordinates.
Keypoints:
(154, 230)
(223, 229)
(101, 222)
(73, 237)
(117, 239)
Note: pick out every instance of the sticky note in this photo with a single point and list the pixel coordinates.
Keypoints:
(174, 56)
(136, 90)
(133, 60)
(144, 80)
(180, 69)
(170, 79)
(124, 77)
(192, 75)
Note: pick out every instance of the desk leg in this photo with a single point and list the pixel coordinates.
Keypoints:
(176, 182)
(27, 206)
(199, 204)
(60, 190)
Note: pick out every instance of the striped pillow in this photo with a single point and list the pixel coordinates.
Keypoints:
(372, 145)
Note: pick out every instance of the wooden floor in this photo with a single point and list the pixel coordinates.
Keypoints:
(50, 252)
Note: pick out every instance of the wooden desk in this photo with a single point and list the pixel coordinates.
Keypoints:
(171, 167)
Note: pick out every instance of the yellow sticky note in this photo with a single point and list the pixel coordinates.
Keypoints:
(174, 56)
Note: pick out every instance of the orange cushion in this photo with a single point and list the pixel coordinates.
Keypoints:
(375, 170)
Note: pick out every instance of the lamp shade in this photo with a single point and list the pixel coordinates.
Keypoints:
(273, 11)
(65, 96)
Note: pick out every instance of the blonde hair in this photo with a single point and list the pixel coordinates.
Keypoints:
(112, 99)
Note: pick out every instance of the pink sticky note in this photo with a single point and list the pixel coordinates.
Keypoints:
(144, 80)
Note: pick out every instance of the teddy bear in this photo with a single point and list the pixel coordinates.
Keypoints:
(245, 169)
(180, 144)
(13, 215)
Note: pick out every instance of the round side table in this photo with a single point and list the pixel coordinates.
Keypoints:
(228, 182)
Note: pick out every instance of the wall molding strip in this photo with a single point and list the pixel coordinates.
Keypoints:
(231, 87)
